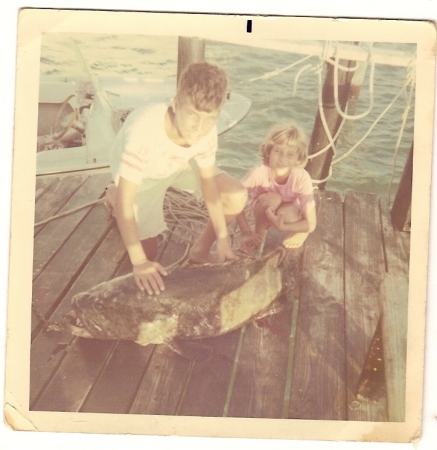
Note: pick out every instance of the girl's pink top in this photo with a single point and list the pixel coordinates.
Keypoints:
(298, 187)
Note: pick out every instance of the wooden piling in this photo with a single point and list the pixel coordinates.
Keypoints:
(401, 210)
(190, 50)
(318, 167)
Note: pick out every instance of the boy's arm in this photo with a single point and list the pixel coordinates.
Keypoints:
(147, 273)
(211, 195)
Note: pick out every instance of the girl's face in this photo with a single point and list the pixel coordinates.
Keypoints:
(283, 158)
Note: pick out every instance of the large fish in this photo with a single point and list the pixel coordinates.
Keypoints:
(198, 302)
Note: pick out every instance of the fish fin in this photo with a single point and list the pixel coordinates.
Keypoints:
(191, 350)
(272, 320)
(274, 308)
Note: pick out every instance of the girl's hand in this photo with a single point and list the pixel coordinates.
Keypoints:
(224, 250)
(277, 221)
(148, 276)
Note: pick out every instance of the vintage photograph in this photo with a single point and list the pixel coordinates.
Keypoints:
(225, 227)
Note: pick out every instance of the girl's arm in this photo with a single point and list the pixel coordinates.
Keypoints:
(306, 225)
(300, 229)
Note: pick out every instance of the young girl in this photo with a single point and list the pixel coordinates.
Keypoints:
(281, 190)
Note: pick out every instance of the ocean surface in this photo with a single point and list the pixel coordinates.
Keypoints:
(274, 99)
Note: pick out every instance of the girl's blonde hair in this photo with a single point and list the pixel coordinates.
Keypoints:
(292, 135)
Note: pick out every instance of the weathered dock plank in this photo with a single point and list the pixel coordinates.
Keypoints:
(394, 292)
(319, 369)
(394, 300)
(207, 389)
(163, 383)
(260, 381)
(54, 198)
(73, 379)
(54, 233)
(364, 265)
(42, 184)
(115, 389)
(49, 348)
(63, 269)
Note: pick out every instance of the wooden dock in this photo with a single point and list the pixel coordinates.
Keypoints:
(320, 358)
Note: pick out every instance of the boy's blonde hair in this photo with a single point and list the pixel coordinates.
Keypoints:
(292, 135)
(204, 84)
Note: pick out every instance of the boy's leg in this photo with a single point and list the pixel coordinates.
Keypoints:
(234, 197)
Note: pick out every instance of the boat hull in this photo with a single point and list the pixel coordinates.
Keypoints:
(61, 96)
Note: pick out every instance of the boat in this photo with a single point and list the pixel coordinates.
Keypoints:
(79, 116)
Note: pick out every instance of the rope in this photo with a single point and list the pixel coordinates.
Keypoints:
(322, 114)
(296, 78)
(276, 72)
(371, 81)
(337, 160)
(66, 213)
(409, 81)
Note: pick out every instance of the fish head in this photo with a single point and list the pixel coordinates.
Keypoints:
(92, 317)
(101, 313)
(116, 310)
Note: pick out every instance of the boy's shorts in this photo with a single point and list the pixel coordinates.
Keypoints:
(149, 201)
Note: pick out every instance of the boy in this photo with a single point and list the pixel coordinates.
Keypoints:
(151, 153)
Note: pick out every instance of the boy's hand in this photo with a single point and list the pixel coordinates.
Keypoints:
(224, 250)
(148, 277)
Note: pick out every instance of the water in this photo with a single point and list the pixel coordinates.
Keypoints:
(367, 169)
